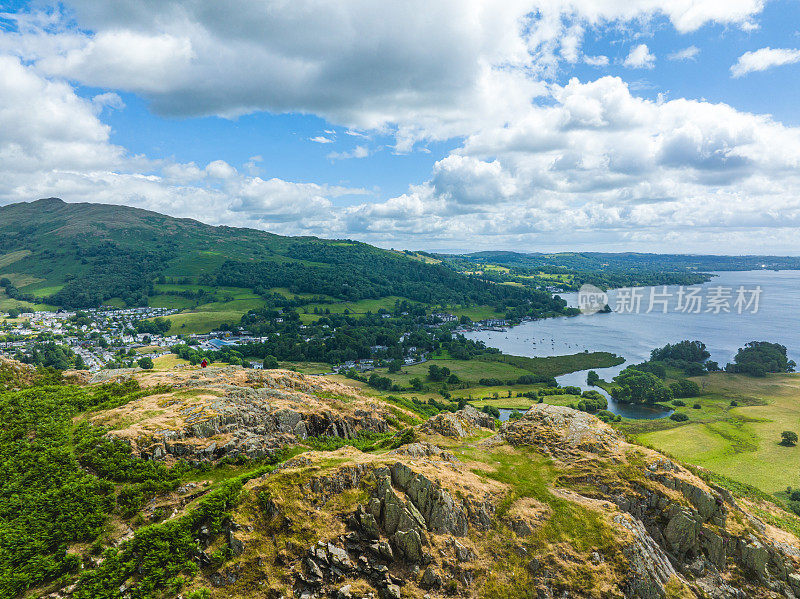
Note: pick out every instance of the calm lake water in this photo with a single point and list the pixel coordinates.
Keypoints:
(632, 335)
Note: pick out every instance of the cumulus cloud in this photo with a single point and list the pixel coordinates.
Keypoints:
(52, 143)
(602, 164)
(640, 57)
(220, 170)
(536, 162)
(360, 64)
(763, 59)
(689, 53)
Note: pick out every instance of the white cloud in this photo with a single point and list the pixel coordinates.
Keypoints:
(359, 64)
(108, 100)
(689, 53)
(763, 59)
(52, 143)
(601, 164)
(220, 170)
(596, 61)
(540, 163)
(357, 152)
(640, 58)
(321, 139)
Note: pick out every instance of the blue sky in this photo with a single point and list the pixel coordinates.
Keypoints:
(530, 125)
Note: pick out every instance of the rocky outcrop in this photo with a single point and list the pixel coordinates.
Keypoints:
(459, 424)
(228, 412)
(406, 510)
(561, 431)
(676, 524)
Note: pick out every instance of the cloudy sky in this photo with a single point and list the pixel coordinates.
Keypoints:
(531, 125)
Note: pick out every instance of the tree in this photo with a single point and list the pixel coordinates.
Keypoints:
(435, 373)
(788, 438)
(592, 378)
(395, 366)
(13, 313)
(416, 384)
(145, 363)
(757, 358)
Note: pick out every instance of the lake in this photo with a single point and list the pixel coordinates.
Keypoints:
(632, 334)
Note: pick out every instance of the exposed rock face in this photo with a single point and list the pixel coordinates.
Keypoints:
(560, 430)
(676, 522)
(397, 524)
(230, 411)
(459, 424)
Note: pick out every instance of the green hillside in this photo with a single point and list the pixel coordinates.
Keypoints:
(87, 255)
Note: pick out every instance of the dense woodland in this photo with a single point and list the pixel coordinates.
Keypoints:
(356, 271)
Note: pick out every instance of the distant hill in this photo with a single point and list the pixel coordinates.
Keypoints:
(84, 255)
(596, 261)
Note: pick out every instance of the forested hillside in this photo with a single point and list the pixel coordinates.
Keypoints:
(85, 255)
(570, 270)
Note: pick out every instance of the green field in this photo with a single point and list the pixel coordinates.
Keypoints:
(738, 442)
(466, 370)
(503, 367)
(6, 303)
(187, 323)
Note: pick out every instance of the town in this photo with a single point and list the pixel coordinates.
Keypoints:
(110, 337)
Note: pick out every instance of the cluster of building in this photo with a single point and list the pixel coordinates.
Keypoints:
(96, 335)
(101, 336)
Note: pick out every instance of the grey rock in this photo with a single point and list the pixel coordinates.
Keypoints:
(339, 558)
(385, 551)
(682, 532)
(650, 568)
(430, 579)
(286, 420)
(344, 592)
(755, 557)
(236, 545)
(390, 591)
(463, 554)
(409, 545)
(300, 430)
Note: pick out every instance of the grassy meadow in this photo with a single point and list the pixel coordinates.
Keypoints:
(740, 442)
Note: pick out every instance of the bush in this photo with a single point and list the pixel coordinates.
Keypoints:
(788, 438)
(685, 388)
(491, 411)
(145, 363)
(696, 406)
(678, 403)
(734, 403)
(679, 417)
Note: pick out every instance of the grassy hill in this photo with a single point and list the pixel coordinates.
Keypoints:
(84, 255)
(186, 483)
